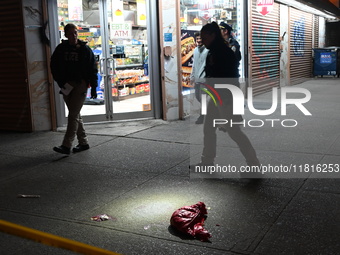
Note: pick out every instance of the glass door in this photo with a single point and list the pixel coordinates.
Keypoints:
(128, 41)
(116, 31)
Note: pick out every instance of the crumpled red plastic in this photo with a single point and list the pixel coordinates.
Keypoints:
(190, 220)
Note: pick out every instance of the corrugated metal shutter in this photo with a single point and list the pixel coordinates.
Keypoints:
(301, 41)
(265, 49)
(316, 31)
(15, 112)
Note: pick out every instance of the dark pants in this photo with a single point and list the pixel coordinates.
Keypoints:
(236, 134)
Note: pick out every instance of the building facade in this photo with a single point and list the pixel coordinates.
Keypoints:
(142, 70)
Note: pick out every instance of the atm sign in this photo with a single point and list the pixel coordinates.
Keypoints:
(119, 31)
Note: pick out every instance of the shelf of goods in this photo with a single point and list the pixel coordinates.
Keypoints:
(130, 83)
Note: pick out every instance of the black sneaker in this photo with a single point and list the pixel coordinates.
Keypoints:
(62, 149)
(80, 148)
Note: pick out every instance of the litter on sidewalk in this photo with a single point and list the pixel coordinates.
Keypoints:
(28, 196)
(101, 217)
(190, 220)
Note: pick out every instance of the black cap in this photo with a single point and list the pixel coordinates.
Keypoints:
(224, 25)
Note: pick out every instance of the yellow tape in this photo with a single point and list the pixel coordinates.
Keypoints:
(52, 240)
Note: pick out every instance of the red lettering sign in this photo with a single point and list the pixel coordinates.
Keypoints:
(264, 6)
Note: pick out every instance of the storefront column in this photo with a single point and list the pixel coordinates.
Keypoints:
(322, 32)
(284, 46)
(39, 86)
(169, 57)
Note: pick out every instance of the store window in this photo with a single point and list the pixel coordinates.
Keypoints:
(116, 31)
(196, 13)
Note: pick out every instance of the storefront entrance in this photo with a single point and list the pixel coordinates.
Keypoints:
(118, 32)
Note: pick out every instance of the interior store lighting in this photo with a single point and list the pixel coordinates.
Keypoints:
(142, 17)
(118, 12)
(196, 20)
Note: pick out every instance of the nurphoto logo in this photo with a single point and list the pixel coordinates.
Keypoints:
(238, 104)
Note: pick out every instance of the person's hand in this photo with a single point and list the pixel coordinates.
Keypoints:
(93, 93)
(61, 85)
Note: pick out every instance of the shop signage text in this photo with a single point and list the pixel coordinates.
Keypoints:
(119, 31)
(264, 6)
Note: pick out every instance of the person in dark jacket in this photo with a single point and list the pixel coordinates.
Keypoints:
(222, 68)
(74, 68)
(233, 44)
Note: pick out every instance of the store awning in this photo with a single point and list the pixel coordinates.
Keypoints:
(321, 7)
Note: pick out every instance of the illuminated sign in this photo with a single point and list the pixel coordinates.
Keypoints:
(75, 10)
(264, 6)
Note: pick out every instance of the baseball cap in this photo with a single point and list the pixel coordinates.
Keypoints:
(224, 25)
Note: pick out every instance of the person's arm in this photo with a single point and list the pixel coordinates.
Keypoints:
(92, 72)
(204, 55)
(193, 71)
(57, 67)
(236, 48)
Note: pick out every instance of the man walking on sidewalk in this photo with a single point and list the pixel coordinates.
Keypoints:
(74, 68)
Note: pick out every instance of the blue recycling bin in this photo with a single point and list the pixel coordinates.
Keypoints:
(326, 61)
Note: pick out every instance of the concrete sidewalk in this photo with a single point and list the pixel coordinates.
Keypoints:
(137, 172)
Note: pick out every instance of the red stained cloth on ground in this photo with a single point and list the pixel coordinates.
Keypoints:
(190, 220)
